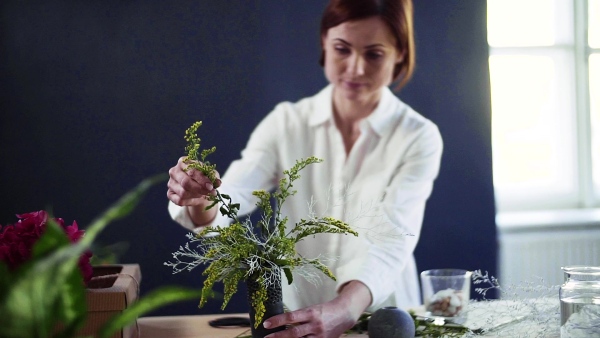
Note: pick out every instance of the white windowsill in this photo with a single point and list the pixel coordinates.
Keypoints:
(568, 219)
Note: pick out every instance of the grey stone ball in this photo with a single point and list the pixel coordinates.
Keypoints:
(391, 322)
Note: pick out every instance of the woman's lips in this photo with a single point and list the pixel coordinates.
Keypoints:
(353, 85)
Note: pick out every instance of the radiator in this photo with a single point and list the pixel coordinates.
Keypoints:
(535, 255)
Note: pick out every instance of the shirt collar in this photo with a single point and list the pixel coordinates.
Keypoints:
(323, 109)
(380, 120)
(382, 117)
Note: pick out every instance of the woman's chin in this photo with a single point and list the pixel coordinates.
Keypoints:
(351, 93)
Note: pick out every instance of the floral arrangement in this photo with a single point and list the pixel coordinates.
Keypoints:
(17, 240)
(237, 252)
(43, 264)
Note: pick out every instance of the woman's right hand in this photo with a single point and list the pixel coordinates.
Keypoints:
(190, 189)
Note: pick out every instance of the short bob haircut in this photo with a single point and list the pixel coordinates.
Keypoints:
(397, 14)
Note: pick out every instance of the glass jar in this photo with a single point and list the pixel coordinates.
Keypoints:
(580, 302)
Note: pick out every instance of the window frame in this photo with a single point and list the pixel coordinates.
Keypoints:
(586, 194)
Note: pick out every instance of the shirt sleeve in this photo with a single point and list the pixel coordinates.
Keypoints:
(390, 241)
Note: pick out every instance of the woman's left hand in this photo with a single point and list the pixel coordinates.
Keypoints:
(327, 320)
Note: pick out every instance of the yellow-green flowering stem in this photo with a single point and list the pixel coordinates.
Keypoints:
(258, 299)
(192, 149)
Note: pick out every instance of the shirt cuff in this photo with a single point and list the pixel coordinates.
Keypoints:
(180, 215)
(376, 281)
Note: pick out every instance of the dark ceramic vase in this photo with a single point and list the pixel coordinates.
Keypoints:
(273, 306)
(391, 322)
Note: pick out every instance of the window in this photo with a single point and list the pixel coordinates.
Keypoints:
(544, 70)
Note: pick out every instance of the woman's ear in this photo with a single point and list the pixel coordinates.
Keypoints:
(400, 57)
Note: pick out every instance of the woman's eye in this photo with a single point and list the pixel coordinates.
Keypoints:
(341, 50)
(374, 55)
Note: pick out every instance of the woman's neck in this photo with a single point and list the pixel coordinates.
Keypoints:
(348, 114)
(353, 110)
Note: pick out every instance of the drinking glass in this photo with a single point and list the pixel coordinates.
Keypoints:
(446, 292)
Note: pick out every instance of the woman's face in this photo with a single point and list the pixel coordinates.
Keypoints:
(360, 57)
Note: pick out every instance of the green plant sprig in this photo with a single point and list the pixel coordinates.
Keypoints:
(235, 253)
(429, 329)
(199, 162)
(285, 187)
(329, 225)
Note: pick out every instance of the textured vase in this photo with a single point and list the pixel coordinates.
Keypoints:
(273, 306)
(391, 322)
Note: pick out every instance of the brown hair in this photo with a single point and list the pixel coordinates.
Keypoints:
(397, 14)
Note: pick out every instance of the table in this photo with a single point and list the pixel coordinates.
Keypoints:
(194, 327)
(530, 318)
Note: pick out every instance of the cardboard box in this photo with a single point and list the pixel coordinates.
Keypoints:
(112, 289)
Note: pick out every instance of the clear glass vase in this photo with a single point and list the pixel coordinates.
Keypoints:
(580, 302)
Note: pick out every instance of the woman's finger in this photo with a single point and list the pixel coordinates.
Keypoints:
(300, 323)
(288, 318)
(184, 189)
(205, 181)
(296, 331)
(179, 200)
(199, 177)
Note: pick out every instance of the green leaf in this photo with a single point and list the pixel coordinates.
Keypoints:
(41, 294)
(288, 275)
(118, 210)
(54, 237)
(68, 291)
(211, 205)
(72, 304)
(121, 207)
(48, 288)
(155, 299)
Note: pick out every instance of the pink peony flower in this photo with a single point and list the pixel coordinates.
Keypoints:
(17, 240)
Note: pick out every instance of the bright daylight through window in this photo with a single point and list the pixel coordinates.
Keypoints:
(544, 68)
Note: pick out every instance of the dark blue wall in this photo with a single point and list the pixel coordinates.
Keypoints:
(95, 96)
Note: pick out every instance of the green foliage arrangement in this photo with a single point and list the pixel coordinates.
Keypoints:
(236, 252)
(45, 296)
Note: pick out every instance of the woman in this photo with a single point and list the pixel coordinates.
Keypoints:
(381, 158)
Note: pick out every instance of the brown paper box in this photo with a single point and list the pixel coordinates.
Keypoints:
(112, 289)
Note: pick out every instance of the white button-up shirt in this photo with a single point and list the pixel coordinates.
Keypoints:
(380, 189)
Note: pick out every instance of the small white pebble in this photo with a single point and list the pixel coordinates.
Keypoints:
(455, 301)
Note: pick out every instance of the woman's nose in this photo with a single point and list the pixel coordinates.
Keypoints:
(356, 65)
